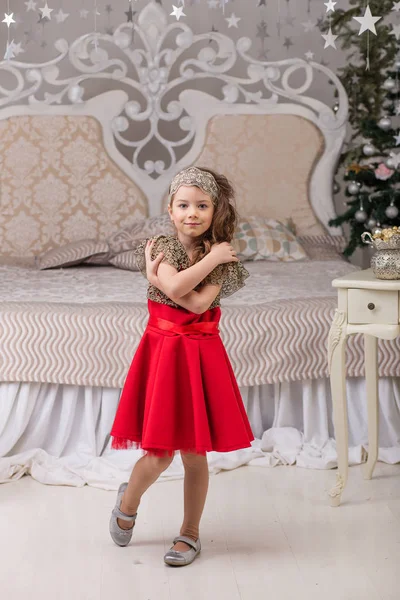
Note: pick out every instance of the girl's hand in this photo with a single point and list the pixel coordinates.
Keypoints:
(152, 265)
(224, 253)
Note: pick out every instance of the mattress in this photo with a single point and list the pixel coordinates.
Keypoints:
(81, 325)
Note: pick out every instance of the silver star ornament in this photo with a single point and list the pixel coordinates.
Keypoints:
(177, 11)
(329, 39)
(367, 21)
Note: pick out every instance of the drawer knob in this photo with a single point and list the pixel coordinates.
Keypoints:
(371, 306)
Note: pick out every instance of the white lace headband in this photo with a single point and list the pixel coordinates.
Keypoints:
(195, 176)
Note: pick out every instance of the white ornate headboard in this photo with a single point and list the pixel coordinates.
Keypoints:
(75, 166)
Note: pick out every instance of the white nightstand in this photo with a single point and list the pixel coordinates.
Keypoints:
(370, 306)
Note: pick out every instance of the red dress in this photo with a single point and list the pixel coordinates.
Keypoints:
(180, 392)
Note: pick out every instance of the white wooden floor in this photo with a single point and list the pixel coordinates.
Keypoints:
(267, 533)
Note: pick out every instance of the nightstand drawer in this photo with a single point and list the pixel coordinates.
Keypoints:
(373, 306)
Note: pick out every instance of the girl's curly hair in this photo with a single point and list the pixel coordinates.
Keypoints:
(224, 221)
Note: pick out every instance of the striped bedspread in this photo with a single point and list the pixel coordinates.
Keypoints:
(81, 325)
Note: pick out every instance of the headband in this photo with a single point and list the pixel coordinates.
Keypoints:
(197, 177)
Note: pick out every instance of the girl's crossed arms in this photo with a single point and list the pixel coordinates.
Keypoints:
(179, 286)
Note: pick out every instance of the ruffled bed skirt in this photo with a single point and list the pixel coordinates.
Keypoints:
(59, 434)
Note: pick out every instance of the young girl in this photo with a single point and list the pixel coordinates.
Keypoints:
(180, 392)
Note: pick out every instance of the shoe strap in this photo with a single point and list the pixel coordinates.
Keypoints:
(187, 540)
(121, 515)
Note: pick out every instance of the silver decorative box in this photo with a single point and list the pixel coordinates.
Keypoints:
(385, 263)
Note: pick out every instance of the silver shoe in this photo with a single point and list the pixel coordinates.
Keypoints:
(179, 559)
(121, 537)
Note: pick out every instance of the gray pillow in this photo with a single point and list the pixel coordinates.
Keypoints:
(71, 254)
(125, 260)
(128, 237)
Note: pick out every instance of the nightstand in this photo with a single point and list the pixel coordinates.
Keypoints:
(370, 306)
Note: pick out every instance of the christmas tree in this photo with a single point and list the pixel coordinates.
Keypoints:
(371, 79)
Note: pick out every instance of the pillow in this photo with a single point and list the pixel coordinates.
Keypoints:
(244, 240)
(127, 238)
(268, 239)
(70, 254)
(125, 260)
(324, 247)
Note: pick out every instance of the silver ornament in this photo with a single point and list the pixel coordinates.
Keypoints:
(371, 223)
(369, 150)
(389, 84)
(353, 188)
(392, 211)
(361, 216)
(389, 162)
(376, 230)
(384, 123)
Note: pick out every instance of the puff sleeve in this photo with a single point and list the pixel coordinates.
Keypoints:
(231, 276)
(174, 254)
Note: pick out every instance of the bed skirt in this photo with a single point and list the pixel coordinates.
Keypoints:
(59, 434)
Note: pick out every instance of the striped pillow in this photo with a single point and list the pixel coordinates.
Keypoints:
(70, 254)
(125, 260)
(324, 247)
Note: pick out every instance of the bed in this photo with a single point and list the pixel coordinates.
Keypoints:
(82, 161)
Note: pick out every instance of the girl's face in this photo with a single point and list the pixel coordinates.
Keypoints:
(191, 211)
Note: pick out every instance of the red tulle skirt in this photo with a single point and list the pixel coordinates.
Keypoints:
(180, 392)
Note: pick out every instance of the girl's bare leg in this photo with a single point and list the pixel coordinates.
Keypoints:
(195, 494)
(145, 472)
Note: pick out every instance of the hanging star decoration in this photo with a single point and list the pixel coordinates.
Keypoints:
(395, 31)
(329, 39)
(396, 6)
(8, 19)
(288, 42)
(367, 21)
(309, 55)
(330, 6)
(9, 51)
(308, 26)
(31, 5)
(46, 12)
(61, 16)
(262, 30)
(177, 12)
(396, 159)
(233, 21)
(130, 14)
